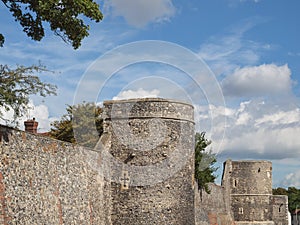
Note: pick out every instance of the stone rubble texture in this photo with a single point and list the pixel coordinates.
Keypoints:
(250, 193)
(45, 181)
(141, 172)
(156, 199)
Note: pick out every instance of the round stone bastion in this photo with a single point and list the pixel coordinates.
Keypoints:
(151, 144)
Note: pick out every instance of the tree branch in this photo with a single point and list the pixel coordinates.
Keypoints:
(5, 3)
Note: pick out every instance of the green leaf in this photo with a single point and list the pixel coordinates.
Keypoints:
(16, 85)
(82, 117)
(64, 18)
(204, 161)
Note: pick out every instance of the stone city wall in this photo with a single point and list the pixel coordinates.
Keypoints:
(211, 208)
(141, 172)
(279, 209)
(251, 207)
(44, 181)
(248, 185)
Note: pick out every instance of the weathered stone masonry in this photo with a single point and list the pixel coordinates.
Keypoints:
(141, 172)
(153, 140)
(44, 181)
(249, 185)
(244, 198)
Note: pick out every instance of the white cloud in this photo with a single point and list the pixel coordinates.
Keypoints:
(265, 142)
(292, 179)
(266, 79)
(140, 93)
(214, 50)
(294, 54)
(259, 130)
(243, 118)
(226, 52)
(256, 1)
(141, 12)
(39, 112)
(68, 65)
(279, 118)
(235, 3)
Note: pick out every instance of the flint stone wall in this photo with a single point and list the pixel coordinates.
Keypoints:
(280, 208)
(45, 181)
(212, 208)
(153, 141)
(144, 174)
(248, 185)
(251, 177)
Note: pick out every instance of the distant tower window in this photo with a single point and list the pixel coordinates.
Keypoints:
(235, 182)
(241, 211)
(279, 209)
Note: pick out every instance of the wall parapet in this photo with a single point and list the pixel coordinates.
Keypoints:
(148, 108)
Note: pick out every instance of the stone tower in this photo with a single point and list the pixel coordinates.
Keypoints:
(151, 142)
(249, 186)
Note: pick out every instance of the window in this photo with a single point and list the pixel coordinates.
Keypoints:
(235, 182)
(241, 210)
(279, 209)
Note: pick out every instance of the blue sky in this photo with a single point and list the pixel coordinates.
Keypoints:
(250, 47)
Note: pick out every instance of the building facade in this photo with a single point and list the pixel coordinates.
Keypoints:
(248, 185)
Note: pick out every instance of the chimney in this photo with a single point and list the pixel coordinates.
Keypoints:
(31, 126)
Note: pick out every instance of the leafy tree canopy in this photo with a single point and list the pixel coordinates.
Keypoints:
(204, 161)
(280, 191)
(83, 118)
(63, 16)
(293, 196)
(16, 85)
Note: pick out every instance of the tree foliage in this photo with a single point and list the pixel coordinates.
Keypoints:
(293, 196)
(83, 118)
(204, 161)
(280, 191)
(62, 129)
(63, 16)
(1, 40)
(16, 85)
